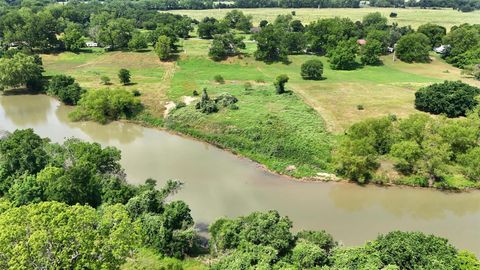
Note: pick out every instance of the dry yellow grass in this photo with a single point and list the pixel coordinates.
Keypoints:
(409, 16)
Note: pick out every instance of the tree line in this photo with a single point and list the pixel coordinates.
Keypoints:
(81, 213)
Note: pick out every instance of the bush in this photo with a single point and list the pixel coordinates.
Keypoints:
(280, 83)
(247, 86)
(219, 79)
(136, 93)
(106, 105)
(66, 89)
(105, 80)
(206, 105)
(312, 70)
(225, 100)
(413, 48)
(124, 76)
(453, 98)
(360, 107)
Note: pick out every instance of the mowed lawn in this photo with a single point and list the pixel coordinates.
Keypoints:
(150, 76)
(408, 16)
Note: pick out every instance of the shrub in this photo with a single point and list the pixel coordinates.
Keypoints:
(247, 86)
(105, 80)
(393, 15)
(206, 105)
(136, 93)
(413, 48)
(124, 76)
(360, 107)
(219, 79)
(280, 83)
(106, 105)
(453, 98)
(66, 89)
(195, 93)
(312, 70)
(225, 100)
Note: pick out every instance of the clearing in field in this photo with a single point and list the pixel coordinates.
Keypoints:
(406, 16)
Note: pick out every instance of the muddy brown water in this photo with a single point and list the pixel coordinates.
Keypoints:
(218, 183)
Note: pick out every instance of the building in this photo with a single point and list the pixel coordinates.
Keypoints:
(91, 44)
(441, 49)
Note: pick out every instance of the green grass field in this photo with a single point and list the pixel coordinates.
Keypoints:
(409, 16)
(276, 130)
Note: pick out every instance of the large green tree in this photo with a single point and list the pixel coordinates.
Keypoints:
(413, 48)
(270, 47)
(65, 237)
(20, 70)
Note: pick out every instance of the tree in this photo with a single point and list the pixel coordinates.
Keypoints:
(413, 48)
(270, 47)
(321, 239)
(225, 45)
(374, 21)
(452, 98)
(434, 32)
(312, 70)
(297, 26)
(237, 20)
(105, 80)
(22, 152)
(408, 250)
(124, 76)
(324, 35)
(209, 27)
(370, 52)
(106, 105)
(280, 83)
(408, 153)
(294, 42)
(267, 229)
(464, 42)
(66, 89)
(73, 37)
(19, 70)
(101, 240)
(471, 161)
(138, 42)
(163, 48)
(117, 33)
(343, 56)
(307, 255)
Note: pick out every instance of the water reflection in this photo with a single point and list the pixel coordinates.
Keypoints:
(423, 204)
(120, 132)
(25, 110)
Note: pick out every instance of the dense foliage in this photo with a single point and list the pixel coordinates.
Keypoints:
(464, 45)
(82, 175)
(66, 89)
(453, 99)
(106, 105)
(19, 70)
(225, 45)
(413, 47)
(425, 151)
(312, 70)
(264, 241)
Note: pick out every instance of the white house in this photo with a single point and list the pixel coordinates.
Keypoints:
(91, 44)
(441, 49)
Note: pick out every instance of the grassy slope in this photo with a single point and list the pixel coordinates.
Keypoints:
(413, 17)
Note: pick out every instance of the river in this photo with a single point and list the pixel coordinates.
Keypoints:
(218, 183)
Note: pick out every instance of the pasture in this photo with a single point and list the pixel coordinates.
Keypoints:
(408, 16)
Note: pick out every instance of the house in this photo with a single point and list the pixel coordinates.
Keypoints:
(364, 4)
(390, 49)
(441, 49)
(91, 44)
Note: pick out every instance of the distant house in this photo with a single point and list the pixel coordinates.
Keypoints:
(390, 49)
(364, 4)
(362, 41)
(91, 44)
(442, 49)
